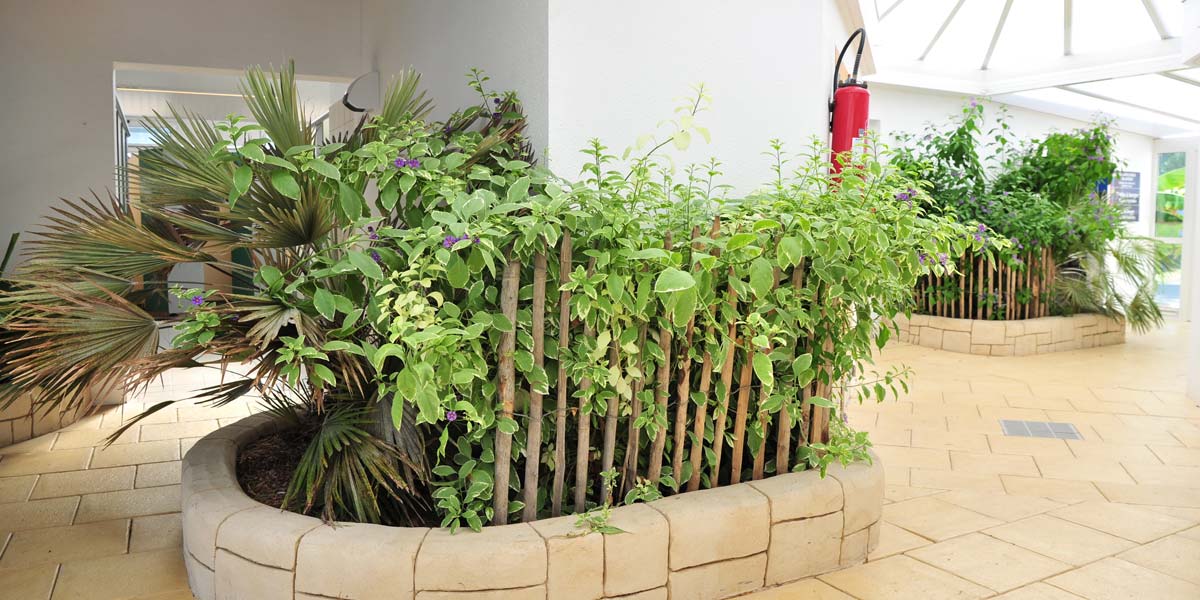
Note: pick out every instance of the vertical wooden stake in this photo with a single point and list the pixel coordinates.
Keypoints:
(506, 376)
(633, 442)
(654, 471)
(610, 422)
(560, 410)
(739, 422)
(533, 447)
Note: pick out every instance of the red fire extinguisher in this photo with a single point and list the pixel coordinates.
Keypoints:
(848, 105)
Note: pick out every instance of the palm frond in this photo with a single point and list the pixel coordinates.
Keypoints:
(272, 98)
(405, 99)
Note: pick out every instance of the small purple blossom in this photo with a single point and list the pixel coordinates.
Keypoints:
(921, 257)
(982, 228)
(496, 100)
(496, 115)
(197, 300)
(400, 162)
(451, 416)
(942, 258)
(978, 238)
(375, 256)
(475, 240)
(371, 233)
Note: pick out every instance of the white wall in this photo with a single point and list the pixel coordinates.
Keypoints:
(909, 110)
(56, 64)
(445, 39)
(617, 68)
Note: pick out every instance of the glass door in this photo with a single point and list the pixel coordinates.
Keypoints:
(1169, 209)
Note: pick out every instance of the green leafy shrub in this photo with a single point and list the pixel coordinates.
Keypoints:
(407, 282)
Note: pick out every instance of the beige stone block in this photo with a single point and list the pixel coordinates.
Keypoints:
(931, 338)
(239, 579)
(719, 580)
(155, 532)
(957, 341)
(360, 561)
(716, 524)
(903, 577)
(200, 579)
(34, 463)
(16, 489)
(173, 431)
(1059, 539)
(34, 582)
(265, 535)
(1045, 338)
(573, 570)
(894, 540)
(1116, 578)
(203, 514)
(964, 325)
(919, 320)
(990, 562)
(22, 406)
(854, 547)
(981, 349)
(537, 592)
(141, 575)
(1176, 555)
(874, 532)
(987, 332)
(862, 490)
(1025, 345)
(1055, 489)
(803, 548)
(999, 506)
(1112, 338)
(55, 545)
(934, 519)
(6, 433)
(74, 483)
(1001, 350)
(156, 474)
(505, 556)
(801, 495)
(135, 454)
(22, 429)
(128, 503)
(654, 594)
(1138, 524)
(636, 560)
(51, 512)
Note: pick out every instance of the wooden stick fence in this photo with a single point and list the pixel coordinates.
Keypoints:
(691, 391)
(985, 290)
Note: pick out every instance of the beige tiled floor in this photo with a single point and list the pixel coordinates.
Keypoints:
(970, 513)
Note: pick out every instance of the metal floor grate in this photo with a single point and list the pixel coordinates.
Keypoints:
(1040, 429)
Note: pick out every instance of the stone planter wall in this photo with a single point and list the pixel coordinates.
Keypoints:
(21, 421)
(1012, 338)
(707, 544)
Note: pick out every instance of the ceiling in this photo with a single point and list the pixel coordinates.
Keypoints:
(1124, 59)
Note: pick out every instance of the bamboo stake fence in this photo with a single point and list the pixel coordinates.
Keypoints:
(986, 290)
(688, 394)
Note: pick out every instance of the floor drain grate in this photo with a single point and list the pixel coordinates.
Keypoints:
(1040, 429)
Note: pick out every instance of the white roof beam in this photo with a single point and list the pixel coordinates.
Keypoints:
(890, 9)
(1106, 98)
(1180, 78)
(1067, 14)
(942, 29)
(996, 34)
(1156, 18)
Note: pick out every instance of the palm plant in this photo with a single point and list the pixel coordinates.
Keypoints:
(1118, 280)
(76, 314)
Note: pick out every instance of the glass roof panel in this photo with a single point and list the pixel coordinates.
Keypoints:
(1151, 91)
(1032, 33)
(1103, 108)
(962, 45)
(1104, 25)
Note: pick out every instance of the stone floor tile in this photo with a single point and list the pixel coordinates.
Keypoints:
(1127, 434)
(1177, 455)
(1164, 474)
(33, 583)
(974, 425)
(936, 520)
(889, 436)
(1123, 520)
(1004, 387)
(1159, 495)
(987, 463)
(156, 531)
(51, 512)
(174, 431)
(16, 489)
(1000, 506)
(955, 480)
(989, 562)
(1038, 402)
(974, 399)
(122, 577)
(900, 493)
(1037, 591)
(1191, 534)
(39, 444)
(1008, 412)
(902, 577)
(87, 438)
(186, 444)
(808, 589)
(1113, 579)
(1176, 555)
(1059, 490)
(53, 545)
(75, 483)
(1083, 469)
(945, 440)
(894, 540)
(903, 421)
(1123, 453)
(1003, 444)
(926, 458)
(12, 465)
(1059, 539)
(156, 474)
(129, 503)
(136, 454)
(941, 409)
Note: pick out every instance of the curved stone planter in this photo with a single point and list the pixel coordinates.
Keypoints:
(706, 544)
(21, 420)
(1012, 338)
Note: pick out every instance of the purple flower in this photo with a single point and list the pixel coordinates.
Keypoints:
(942, 258)
(978, 238)
(496, 100)
(982, 228)
(974, 103)
(475, 240)
(902, 196)
(448, 241)
(375, 256)
(921, 257)
(415, 163)
(197, 300)
(371, 233)
(400, 162)
(451, 416)
(496, 115)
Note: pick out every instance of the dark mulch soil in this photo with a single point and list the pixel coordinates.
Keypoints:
(265, 466)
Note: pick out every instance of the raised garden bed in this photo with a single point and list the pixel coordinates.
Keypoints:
(712, 543)
(1011, 338)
